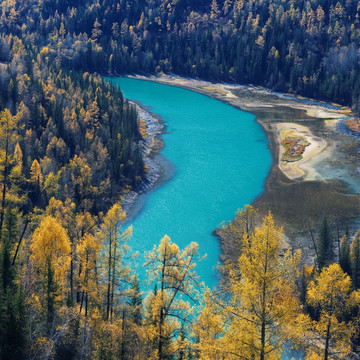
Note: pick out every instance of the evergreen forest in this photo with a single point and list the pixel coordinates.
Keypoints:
(70, 148)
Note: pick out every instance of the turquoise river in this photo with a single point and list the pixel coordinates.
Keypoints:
(218, 160)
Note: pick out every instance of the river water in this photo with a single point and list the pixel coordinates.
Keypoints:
(220, 160)
(216, 159)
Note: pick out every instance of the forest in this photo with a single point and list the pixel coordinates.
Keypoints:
(70, 148)
(309, 48)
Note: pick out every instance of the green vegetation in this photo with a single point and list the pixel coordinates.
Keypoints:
(72, 293)
(69, 148)
(307, 48)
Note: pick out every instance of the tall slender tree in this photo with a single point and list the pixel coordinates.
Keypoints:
(331, 291)
(355, 260)
(260, 310)
(172, 270)
(115, 271)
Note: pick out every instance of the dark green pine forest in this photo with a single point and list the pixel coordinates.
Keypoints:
(304, 47)
(70, 148)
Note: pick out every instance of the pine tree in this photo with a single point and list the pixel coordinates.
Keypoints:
(325, 245)
(355, 260)
(344, 259)
(135, 302)
(13, 332)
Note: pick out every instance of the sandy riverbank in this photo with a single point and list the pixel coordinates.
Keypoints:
(250, 98)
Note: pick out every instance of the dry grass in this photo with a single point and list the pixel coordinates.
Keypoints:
(213, 90)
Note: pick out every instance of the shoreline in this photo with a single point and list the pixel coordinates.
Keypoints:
(150, 147)
(332, 114)
(274, 111)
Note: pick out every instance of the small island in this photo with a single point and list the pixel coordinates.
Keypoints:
(297, 146)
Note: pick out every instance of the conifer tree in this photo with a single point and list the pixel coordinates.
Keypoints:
(355, 260)
(50, 254)
(114, 269)
(331, 291)
(13, 335)
(135, 302)
(8, 136)
(344, 259)
(172, 270)
(261, 311)
(325, 245)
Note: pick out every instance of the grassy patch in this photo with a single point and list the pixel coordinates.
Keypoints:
(294, 145)
(213, 90)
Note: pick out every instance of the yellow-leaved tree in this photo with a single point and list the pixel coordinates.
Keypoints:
(234, 231)
(209, 330)
(114, 268)
(114, 278)
(50, 254)
(260, 309)
(172, 273)
(331, 291)
(8, 138)
(87, 250)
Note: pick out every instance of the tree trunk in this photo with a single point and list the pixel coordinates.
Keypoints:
(326, 351)
(20, 240)
(109, 282)
(4, 188)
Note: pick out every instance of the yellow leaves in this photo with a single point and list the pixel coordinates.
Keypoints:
(87, 250)
(168, 249)
(35, 173)
(44, 50)
(330, 289)
(331, 292)
(18, 155)
(263, 304)
(168, 258)
(209, 329)
(8, 124)
(50, 241)
(172, 271)
(260, 41)
(114, 215)
(51, 183)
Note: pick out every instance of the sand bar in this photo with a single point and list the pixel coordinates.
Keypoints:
(251, 98)
(293, 170)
